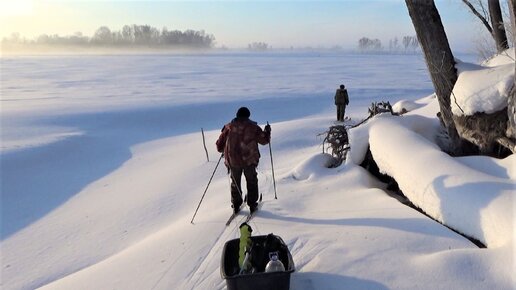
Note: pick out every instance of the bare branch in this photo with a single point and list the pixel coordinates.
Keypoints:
(480, 16)
(483, 8)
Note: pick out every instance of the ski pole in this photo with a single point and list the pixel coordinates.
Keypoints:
(272, 166)
(205, 190)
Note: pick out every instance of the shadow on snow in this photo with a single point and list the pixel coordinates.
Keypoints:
(316, 280)
(37, 180)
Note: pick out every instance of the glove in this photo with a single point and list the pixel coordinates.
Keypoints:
(268, 128)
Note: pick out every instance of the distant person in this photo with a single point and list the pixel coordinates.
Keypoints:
(239, 141)
(341, 101)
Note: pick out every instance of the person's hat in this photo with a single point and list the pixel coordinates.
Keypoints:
(243, 113)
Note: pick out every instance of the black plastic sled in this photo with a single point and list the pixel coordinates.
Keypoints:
(259, 280)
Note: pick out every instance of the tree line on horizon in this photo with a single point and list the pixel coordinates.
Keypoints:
(129, 35)
(408, 44)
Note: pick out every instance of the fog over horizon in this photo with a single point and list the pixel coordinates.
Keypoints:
(235, 25)
(147, 39)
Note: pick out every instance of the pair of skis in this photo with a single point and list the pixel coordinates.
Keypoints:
(249, 215)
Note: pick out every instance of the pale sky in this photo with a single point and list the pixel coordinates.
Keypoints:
(237, 23)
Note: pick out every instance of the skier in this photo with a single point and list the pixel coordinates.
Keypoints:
(341, 101)
(238, 142)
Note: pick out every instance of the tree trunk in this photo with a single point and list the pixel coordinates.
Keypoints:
(499, 35)
(483, 130)
(511, 104)
(511, 113)
(492, 133)
(439, 60)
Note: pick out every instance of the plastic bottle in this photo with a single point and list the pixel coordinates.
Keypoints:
(274, 265)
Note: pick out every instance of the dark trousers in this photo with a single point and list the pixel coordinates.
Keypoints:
(341, 110)
(251, 178)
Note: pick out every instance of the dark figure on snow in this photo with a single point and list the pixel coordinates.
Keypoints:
(239, 142)
(341, 101)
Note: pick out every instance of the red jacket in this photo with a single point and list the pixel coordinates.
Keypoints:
(239, 142)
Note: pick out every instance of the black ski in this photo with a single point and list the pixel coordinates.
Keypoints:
(249, 215)
(232, 217)
(252, 214)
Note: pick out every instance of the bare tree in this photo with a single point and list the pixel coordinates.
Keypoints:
(414, 43)
(511, 104)
(366, 44)
(479, 11)
(497, 24)
(406, 42)
(127, 34)
(512, 12)
(508, 15)
(102, 36)
(439, 60)
(258, 46)
(395, 43)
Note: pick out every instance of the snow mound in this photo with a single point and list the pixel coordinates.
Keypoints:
(445, 185)
(482, 89)
(313, 166)
(404, 106)
(506, 57)
(359, 137)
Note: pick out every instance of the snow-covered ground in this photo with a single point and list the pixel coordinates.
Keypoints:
(484, 88)
(103, 166)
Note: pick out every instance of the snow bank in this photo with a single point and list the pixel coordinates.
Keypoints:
(506, 57)
(404, 106)
(313, 166)
(442, 188)
(483, 88)
(426, 108)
